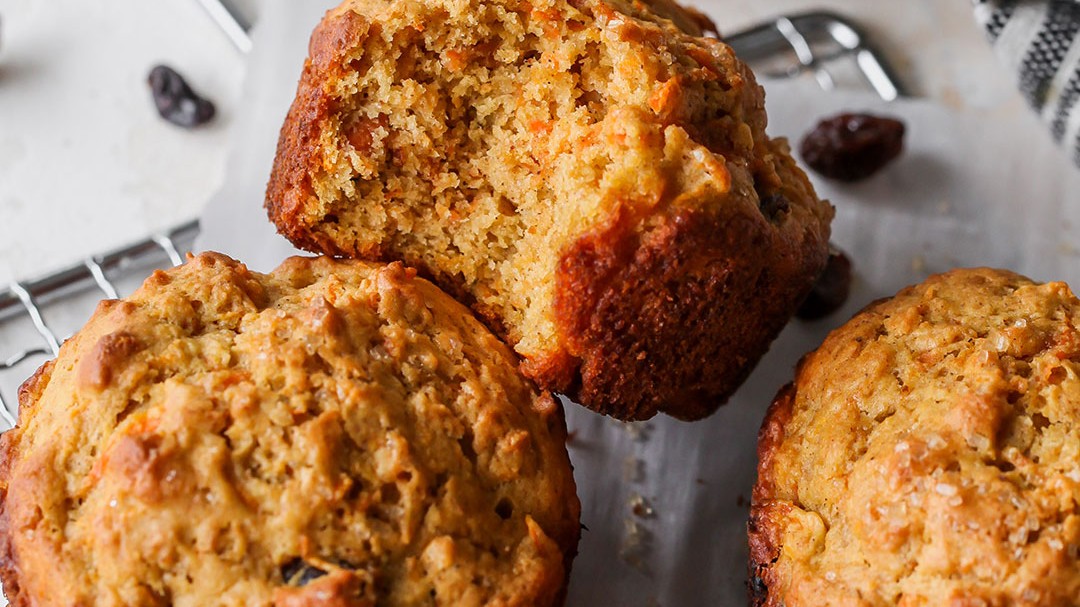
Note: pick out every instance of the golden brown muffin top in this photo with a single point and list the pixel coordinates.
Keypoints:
(333, 433)
(929, 454)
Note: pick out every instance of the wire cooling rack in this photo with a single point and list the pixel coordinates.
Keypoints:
(36, 316)
(821, 45)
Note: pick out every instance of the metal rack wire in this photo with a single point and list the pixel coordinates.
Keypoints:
(821, 45)
(824, 45)
(85, 282)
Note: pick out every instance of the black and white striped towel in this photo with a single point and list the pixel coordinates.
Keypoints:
(1040, 41)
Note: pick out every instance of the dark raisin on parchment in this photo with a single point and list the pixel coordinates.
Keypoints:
(852, 147)
(176, 101)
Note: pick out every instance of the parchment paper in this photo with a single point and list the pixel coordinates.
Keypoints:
(968, 191)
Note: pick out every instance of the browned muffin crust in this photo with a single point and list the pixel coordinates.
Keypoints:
(29, 392)
(616, 296)
(593, 180)
(332, 433)
(928, 453)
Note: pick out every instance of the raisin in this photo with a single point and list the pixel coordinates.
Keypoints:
(831, 289)
(176, 101)
(505, 508)
(852, 147)
(759, 590)
(773, 206)
(298, 573)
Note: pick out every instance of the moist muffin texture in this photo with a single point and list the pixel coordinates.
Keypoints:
(593, 180)
(928, 453)
(332, 433)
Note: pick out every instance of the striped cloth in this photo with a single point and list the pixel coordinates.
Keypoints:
(1040, 41)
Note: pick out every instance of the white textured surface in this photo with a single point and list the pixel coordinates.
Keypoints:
(85, 162)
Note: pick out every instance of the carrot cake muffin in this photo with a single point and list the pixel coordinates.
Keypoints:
(333, 433)
(928, 453)
(593, 179)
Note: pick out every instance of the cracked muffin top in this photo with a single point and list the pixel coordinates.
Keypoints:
(928, 453)
(332, 433)
(593, 177)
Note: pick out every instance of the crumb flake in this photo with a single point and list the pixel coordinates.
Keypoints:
(633, 469)
(640, 506)
(635, 545)
(918, 264)
(638, 431)
(946, 489)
